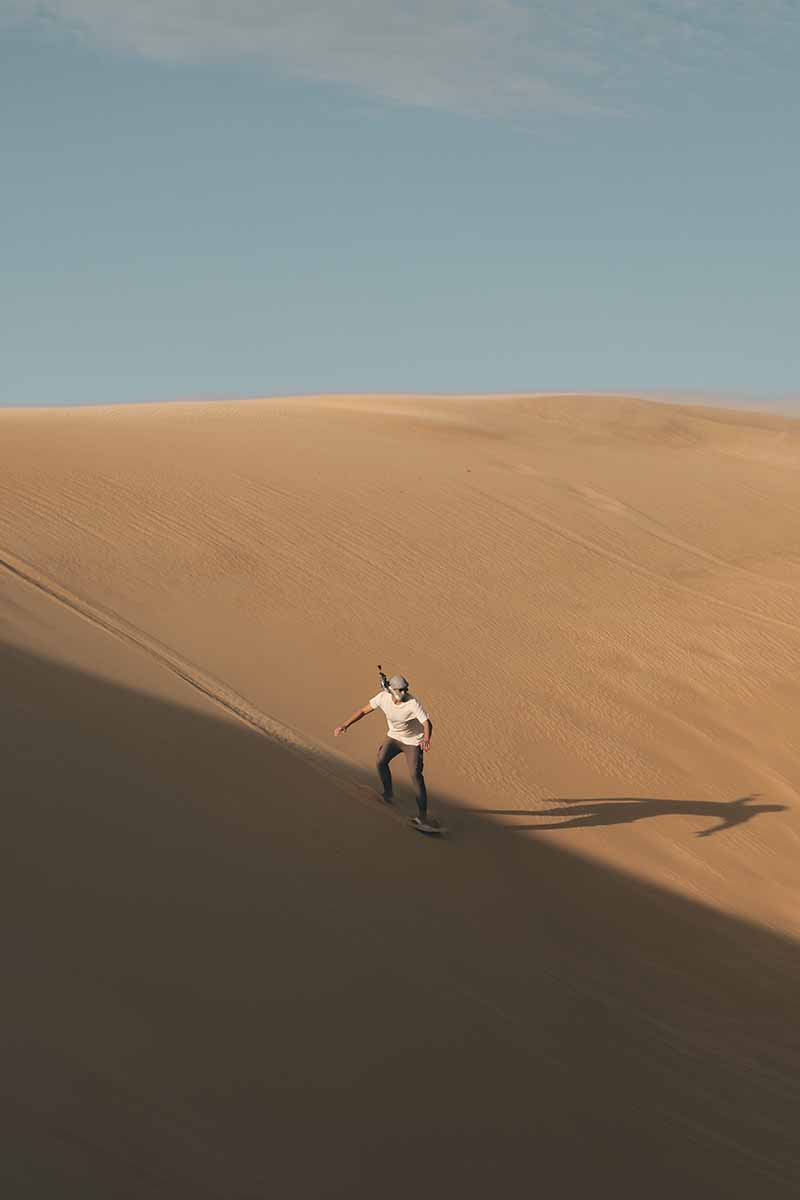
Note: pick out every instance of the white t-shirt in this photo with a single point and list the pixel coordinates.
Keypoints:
(404, 720)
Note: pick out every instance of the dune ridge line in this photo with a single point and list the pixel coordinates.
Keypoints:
(213, 689)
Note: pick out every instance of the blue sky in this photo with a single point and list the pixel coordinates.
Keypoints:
(245, 197)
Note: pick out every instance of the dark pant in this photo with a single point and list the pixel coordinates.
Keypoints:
(389, 750)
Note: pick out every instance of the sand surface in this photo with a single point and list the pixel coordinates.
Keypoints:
(232, 972)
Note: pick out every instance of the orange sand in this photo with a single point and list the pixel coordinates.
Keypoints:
(232, 972)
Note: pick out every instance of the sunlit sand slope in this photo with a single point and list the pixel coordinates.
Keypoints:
(595, 597)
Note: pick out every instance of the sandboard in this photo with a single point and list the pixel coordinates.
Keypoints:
(429, 830)
(396, 815)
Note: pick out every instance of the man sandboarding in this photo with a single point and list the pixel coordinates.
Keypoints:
(409, 733)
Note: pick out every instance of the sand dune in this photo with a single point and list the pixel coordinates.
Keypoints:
(235, 971)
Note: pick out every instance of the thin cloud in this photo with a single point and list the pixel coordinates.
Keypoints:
(481, 57)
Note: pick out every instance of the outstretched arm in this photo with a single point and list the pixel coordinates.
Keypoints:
(351, 720)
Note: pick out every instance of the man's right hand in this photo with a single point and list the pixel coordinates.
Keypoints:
(339, 729)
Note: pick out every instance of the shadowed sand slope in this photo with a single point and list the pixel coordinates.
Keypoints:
(596, 598)
(228, 974)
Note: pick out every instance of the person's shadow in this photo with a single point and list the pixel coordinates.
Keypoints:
(622, 810)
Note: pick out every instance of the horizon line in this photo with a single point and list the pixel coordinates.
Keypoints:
(738, 401)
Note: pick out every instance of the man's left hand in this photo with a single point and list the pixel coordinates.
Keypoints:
(426, 745)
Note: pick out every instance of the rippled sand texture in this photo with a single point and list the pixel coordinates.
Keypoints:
(233, 970)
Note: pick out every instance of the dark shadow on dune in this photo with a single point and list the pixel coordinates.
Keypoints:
(224, 979)
(624, 810)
